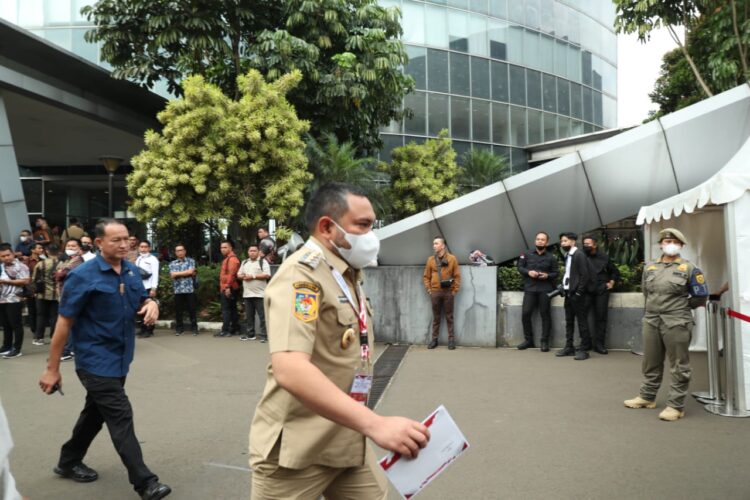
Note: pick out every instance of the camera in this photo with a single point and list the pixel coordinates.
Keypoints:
(559, 291)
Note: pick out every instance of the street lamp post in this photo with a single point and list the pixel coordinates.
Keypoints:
(111, 163)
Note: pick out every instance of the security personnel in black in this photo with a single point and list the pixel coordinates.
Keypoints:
(605, 275)
(576, 282)
(539, 270)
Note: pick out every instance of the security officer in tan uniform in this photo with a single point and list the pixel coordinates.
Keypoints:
(308, 435)
(672, 287)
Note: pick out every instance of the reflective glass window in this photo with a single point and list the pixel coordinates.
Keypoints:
(33, 191)
(458, 30)
(31, 13)
(460, 118)
(413, 22)
(534, 120)
(478, 146)
(437, 70)
(610, 112)
(519, 160)
(480, 119)
(57, 12)
(534, 89)
(479, 6)
(502, 152)
(436, 32)
(576, 103)
(547, 12)
(586, 67)
(417, 66)
(79, 18)
(561, 20)
(549, 93)
(518, 126)
(517, 85)
(609, 45)
(410, 139)
(531, 49)
(461, 4)
(576, 128)
(561, 55)
(60, 37)
(516, 12)
(547, 54)
(515, 44)
(498, 32)
(532, 13)
(500, 124)
(417, 103)
(563, 97)
(462, 149)
(499, 8)
(478, 35)
(394, 127)
(574, 63)
(609, 78)
(574, 25)
(459, 64)
(480, 77)
(563, 127)
(438, 113)
(588, 128)
(499, 81)
(598, 109)
(88, 51)
(596, 72)
(588, 105)
(390, 142)
(550, 126)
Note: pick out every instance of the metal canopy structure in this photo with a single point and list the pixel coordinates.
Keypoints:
(581, 191)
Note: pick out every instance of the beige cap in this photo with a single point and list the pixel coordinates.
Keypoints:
(672, 233)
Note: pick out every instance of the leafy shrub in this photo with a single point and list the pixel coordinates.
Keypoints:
(509, 279)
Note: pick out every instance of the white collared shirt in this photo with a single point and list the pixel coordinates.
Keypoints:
(568, 261)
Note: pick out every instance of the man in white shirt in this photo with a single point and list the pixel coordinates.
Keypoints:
(254, 273)
(148, 265)
(87, 246)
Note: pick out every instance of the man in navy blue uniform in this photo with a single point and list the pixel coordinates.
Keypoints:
(97, 306)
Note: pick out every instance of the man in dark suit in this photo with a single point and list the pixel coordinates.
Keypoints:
(576, 283)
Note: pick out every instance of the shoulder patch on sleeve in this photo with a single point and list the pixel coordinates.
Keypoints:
(683, 267)
(305, 305)
(698, 286)
(311, 258)
(307, 285)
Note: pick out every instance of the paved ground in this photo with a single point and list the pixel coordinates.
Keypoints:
(540, 427)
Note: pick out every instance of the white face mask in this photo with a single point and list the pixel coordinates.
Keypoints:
(364, 248)
(23, 238)
(70, 253)
(671, 249)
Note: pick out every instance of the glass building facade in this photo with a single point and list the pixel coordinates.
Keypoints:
(504, 74)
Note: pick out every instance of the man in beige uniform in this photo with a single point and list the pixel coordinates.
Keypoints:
(308, 435)
(672, 287)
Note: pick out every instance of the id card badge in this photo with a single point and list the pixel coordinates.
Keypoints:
(360, 391)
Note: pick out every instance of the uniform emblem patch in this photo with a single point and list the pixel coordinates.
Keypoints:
(306, 306)
(683, 267)
(306, 285)
(651, 268)
(700, 279)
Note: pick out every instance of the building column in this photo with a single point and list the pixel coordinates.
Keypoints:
(13, 214)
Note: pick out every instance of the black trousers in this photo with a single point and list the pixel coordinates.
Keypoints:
(185, 302)
(253, 306)
(11, 319)
(530, 301)
(575, 311)
(600, 304)
(46, 315)
(229, 316)
(107, 403)
(31, 316)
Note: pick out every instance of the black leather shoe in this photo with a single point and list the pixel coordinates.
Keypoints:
(155, 491)
(451, 345)
(545, 346)
(526, 344)
(433, 344)
(566, 351)
(600, 349)
(581, 355)
(79, 473)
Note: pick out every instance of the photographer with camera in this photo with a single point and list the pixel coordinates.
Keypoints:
(442, 280)
(539, 270)
(575, 284)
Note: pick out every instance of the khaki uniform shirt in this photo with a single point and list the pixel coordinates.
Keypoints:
(672, 289)
(306, 311)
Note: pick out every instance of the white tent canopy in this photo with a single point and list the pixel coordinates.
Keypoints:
(715, 219)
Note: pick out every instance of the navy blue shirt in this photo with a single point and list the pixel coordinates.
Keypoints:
(24, 247)
(103, 304)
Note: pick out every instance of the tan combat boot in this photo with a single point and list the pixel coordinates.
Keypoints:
(639, 402)
(671, 414)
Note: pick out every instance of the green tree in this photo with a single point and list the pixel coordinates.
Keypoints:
(221, 158)
(481, 168)
(348, 51)
(725, 24)
(422, 175)
(675, 88)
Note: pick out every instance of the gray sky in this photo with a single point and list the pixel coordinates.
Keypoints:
(637, 70)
